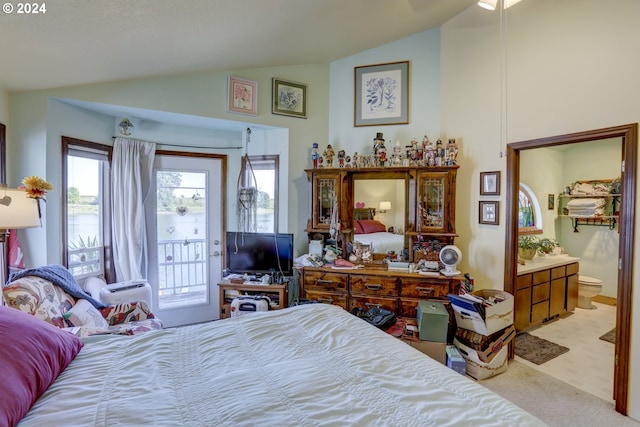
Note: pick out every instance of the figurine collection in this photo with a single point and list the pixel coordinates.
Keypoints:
(417, 153)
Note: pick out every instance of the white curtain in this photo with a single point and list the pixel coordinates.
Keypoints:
(131, 172)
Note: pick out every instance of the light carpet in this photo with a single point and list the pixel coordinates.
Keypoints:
(553, 401)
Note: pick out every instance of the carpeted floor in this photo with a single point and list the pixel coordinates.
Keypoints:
(537, 350)
(610, 336)
(553, 401)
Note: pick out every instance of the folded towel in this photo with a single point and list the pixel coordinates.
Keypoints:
(586, 203)
(586, 188)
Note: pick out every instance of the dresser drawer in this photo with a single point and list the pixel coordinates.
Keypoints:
(541, 276)
(539, 311)
(572, 269)
(540, 293)
(420, 288)
(558, 272)
(366, 302)
(335, 298)
(524, 281)
(374, 285)
(330, 281)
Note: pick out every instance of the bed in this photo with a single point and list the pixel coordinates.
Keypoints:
(307, 365)
(374, 233)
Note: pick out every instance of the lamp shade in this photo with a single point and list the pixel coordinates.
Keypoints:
(17, 210)
(384, 206)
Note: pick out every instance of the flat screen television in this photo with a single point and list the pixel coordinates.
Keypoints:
(259, 253)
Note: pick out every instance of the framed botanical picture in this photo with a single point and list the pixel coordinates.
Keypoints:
(489, 212)
(242, 96)
(289, 98)
(490, 183)
(382, 94)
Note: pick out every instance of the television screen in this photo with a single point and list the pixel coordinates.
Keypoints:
(259, 253)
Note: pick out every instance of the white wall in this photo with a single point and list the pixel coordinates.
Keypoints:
(570, 66)
(4, 106)
(35, 129)
(423, 52)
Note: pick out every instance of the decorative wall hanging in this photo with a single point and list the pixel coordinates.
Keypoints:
(289, 98)
(490, 183)
(242, 96)
(382, 94)
(489, 212)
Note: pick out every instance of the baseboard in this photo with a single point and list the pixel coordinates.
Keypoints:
(604, 300)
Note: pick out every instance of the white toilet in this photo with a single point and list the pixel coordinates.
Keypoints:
(588, 287)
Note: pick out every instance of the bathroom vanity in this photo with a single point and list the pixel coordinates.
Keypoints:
(546, 287)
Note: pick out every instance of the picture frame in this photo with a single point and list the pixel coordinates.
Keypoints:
(386, 104)
(490, 183)
(489, 212)
(551, 199)
(289, 98)
(242, 96)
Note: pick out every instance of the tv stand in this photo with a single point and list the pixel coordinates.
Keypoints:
(277, 294)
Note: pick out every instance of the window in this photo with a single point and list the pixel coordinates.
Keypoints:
(87, 225)
(265, 169)
(529, 214)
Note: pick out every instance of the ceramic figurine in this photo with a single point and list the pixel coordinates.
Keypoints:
(439, 153)
(452, 152)
(356, 160)
(315, 154)
(341, 155)
(328, 155)
(396, 157)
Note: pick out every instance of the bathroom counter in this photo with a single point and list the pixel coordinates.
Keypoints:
(544, 262)
(546, 287)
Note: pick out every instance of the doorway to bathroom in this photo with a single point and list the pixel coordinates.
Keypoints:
(628, 136)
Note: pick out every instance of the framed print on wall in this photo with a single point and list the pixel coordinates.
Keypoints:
(489, 212)
(490, 183)
(289, 98)
(242, 96)
(382, 94)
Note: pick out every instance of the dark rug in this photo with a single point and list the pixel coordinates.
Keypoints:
(537, 350)
(610, 336)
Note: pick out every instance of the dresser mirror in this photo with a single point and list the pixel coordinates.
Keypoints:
(384, 201)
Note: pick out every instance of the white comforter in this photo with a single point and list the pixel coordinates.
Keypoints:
(303, 366)
(382, 242)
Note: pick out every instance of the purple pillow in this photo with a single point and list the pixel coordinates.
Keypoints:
(32, 355)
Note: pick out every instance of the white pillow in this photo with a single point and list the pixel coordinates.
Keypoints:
(83, 313)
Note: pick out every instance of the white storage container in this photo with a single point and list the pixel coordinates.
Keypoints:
(496, 317)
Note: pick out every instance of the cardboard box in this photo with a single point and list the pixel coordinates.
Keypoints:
(478, 369)
(486, 347)
(484, 320)
(455, 360)
(435, 350)
(407, 330)
(433, 321)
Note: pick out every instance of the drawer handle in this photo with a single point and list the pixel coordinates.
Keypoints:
(325, 281)
(370, 304)
(325, 300)
(422, 290)
(374, 286)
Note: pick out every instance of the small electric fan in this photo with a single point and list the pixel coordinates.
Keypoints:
(450, 256)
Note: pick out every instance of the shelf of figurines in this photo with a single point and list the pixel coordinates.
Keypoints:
(416, 154)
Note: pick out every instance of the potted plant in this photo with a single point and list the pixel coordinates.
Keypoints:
(546, 245)
(528, 246)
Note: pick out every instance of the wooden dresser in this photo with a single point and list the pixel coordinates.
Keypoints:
(392, 290)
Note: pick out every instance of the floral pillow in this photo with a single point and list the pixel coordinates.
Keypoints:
(39, 297)
(85, 314)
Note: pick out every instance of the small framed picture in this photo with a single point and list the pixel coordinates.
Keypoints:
(490, 183)
(289, 98)
(242, 96)
(381, 94)
(551, 201)
(489, 212)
